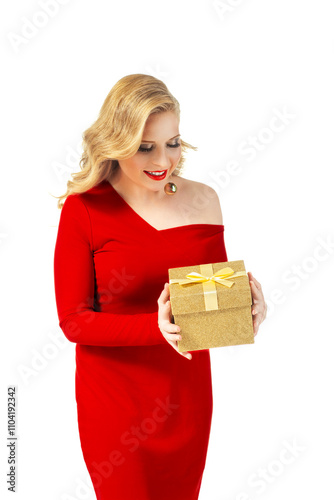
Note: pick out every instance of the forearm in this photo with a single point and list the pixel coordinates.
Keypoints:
(107, 329)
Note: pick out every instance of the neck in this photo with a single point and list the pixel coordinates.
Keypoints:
(138, 194)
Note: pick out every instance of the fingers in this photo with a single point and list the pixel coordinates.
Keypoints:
(184, 354)
(164, 294)
(255, 290)
(258, 305)
(255, 326)
(174, 344)
(259, 313)
(257, 298)
(171, 333)
(169, 330)
(173, 336)
(251, 277)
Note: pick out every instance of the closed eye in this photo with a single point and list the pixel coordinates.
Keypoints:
(146, 150)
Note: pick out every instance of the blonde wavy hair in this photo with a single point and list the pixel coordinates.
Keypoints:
(118, 130)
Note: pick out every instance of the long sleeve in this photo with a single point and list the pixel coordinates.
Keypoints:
(74, 289)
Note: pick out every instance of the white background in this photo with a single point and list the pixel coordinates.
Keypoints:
(233, 66)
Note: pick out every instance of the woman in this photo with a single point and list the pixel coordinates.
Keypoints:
(144, 409)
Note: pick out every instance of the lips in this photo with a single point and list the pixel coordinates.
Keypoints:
(156, 175)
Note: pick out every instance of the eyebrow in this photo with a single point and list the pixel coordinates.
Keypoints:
(168, 139)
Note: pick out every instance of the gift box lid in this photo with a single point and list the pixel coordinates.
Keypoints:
(190, 298)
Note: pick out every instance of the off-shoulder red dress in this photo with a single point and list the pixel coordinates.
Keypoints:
(144, 411)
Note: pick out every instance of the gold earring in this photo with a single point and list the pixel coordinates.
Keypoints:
(170, 188)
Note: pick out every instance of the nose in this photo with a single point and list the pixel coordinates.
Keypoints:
(161, 159)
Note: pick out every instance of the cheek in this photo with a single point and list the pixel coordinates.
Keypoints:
(136, 163)
(174, 154)
(178, 154)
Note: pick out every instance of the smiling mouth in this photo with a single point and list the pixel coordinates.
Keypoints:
(156, 173)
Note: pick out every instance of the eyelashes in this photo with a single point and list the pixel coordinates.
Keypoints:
(146, 150)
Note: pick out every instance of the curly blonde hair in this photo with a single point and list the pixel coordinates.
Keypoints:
(118, 130)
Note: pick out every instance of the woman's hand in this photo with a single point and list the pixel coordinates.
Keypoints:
(259, 307)
(169, 330)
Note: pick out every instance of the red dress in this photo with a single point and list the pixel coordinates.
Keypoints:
(144, 411)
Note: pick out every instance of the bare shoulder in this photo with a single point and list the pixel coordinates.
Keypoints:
(203, 199)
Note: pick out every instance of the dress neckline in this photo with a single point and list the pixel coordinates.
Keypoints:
(152, 227)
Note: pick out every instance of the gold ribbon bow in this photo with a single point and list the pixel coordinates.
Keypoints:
(209, 281)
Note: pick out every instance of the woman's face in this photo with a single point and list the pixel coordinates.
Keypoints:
(160, 150)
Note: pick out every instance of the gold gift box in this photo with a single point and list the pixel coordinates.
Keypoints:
(212, 305)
